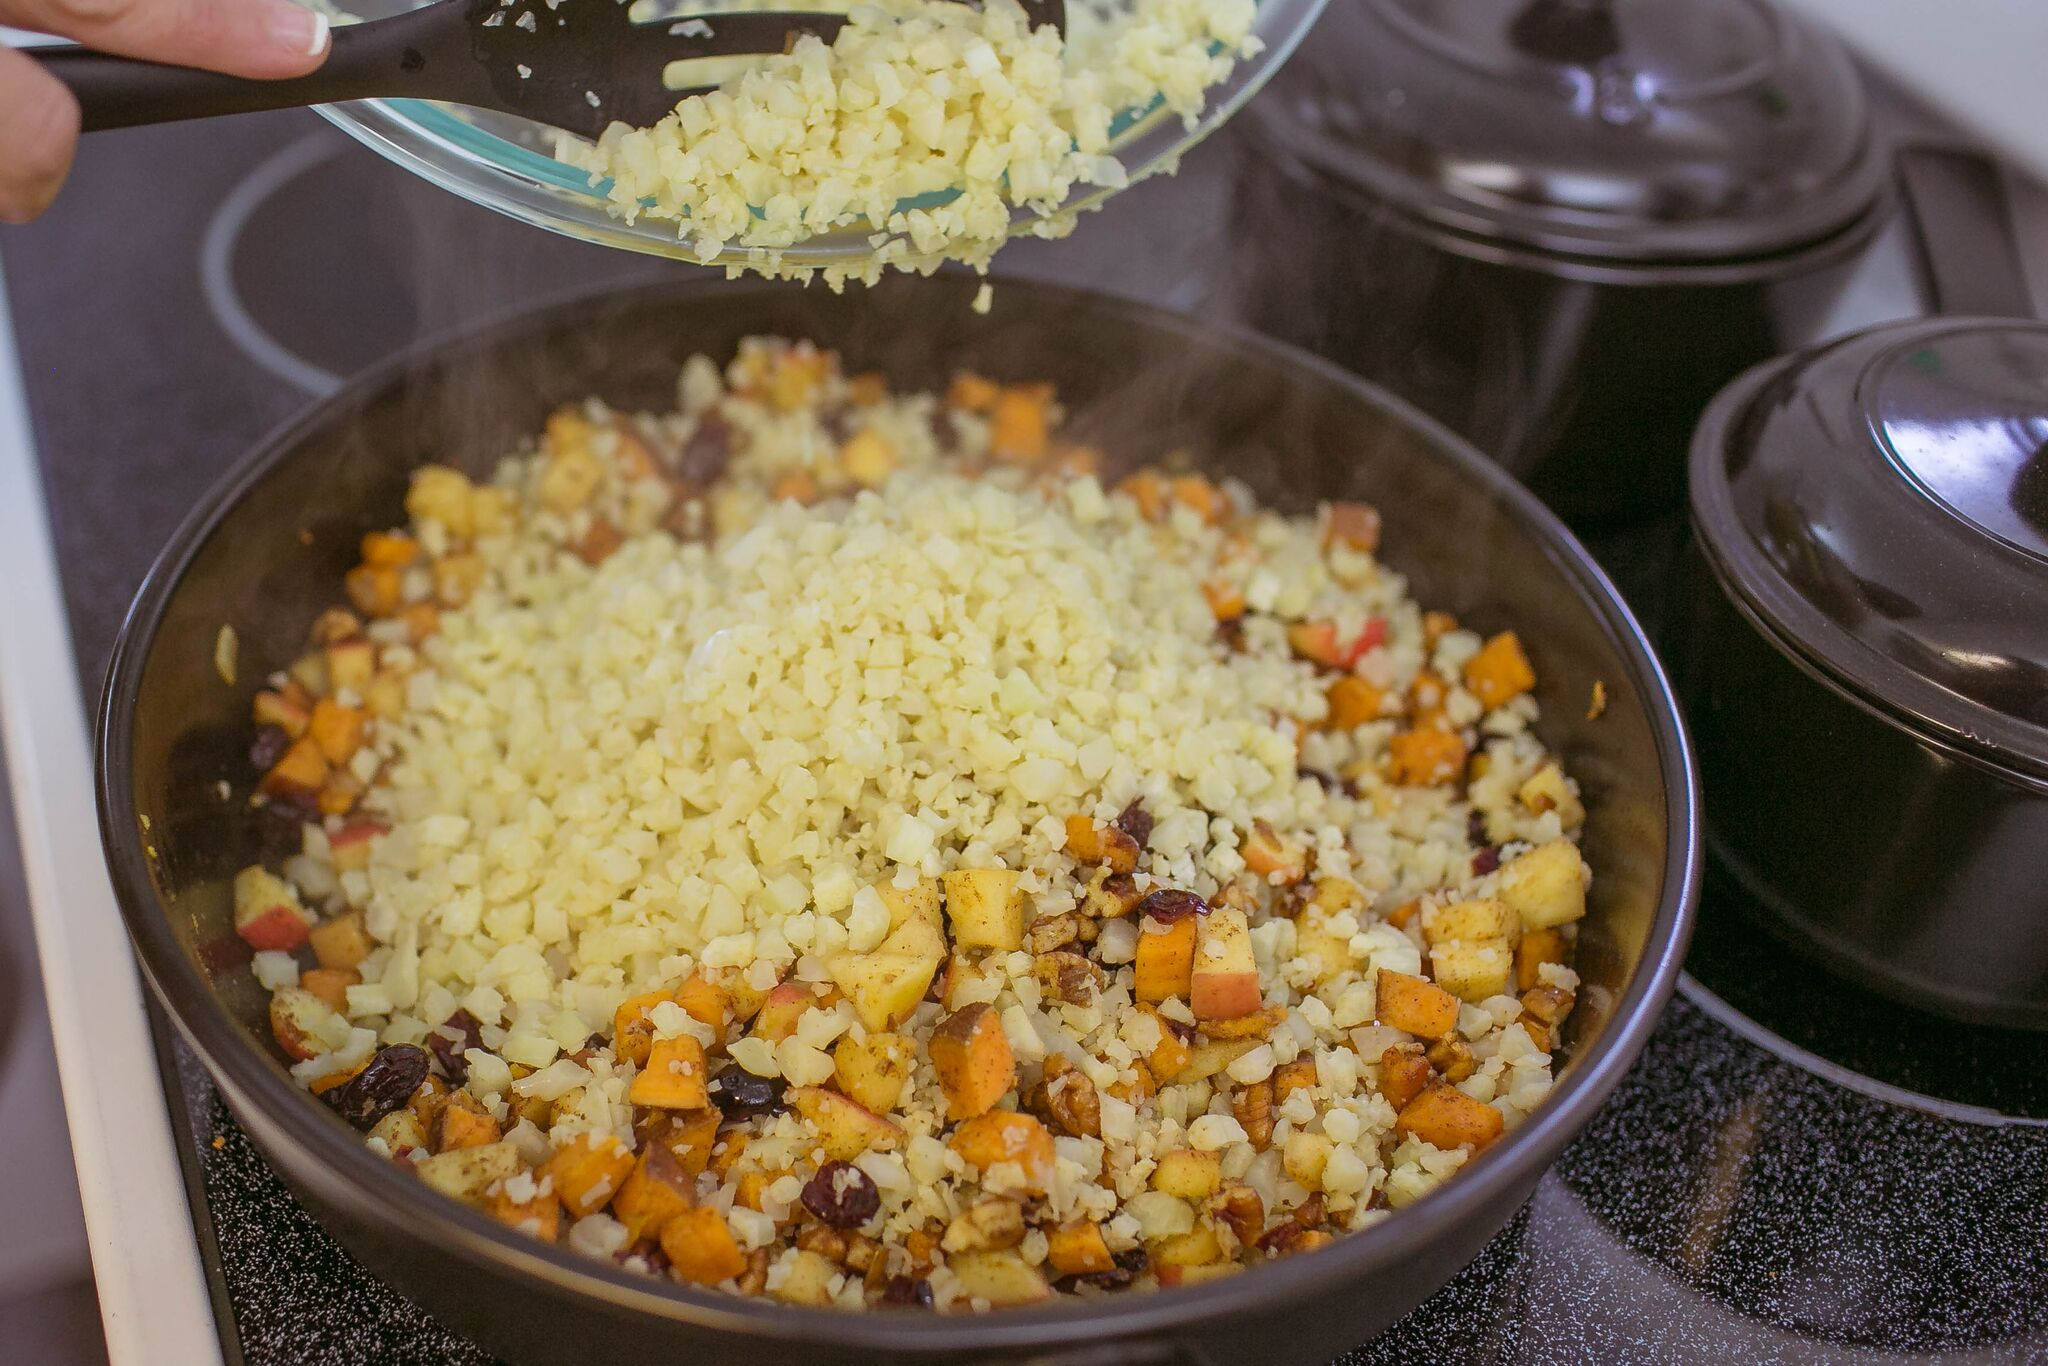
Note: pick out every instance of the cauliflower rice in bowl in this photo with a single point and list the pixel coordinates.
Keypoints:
(824, 843)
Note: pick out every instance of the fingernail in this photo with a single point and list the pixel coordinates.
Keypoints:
(300, 30)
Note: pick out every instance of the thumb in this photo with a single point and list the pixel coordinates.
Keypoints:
(257, 38)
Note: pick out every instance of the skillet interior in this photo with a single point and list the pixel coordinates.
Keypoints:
(266, 551)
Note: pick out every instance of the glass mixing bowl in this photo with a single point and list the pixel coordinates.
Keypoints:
(507, 163)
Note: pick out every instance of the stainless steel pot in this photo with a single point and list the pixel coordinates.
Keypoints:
(1560, 226)
(267, 547)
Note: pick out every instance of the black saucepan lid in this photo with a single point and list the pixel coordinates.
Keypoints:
(1619, 132)
(1880, 508)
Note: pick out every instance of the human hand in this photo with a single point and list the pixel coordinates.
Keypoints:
(264, 39)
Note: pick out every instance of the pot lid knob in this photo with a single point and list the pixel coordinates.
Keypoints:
(1881, 504)
(1629, 130)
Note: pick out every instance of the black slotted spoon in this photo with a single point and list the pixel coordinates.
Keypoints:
(579, 65)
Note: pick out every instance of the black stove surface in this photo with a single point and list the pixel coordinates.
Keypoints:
(1792, 1172)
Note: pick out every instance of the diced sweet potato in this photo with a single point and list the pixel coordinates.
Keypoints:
(1271, 856)
(692, 1135)
(375, 590)
(1426, 756)
(1108, 845)
(1018, 429)
(330, 985)
(700, 1247)
(1166, 958)
(300, 772)
(1225, 599)
(674, 1078)
(1537, 948)
(1421, 1008)
(338, 730)
(973, 1059)
(1010, 1150)
(391, 549)
(656, 1192)
(1078, 1249)
(1500, 672)
(342, 942)
(704, 1001)
(1445, 1117)
(1169, 1057)
(632, 1031)
(845, 1128)
(1404, 1071)
(588, 1171)
(537, 1216)
(465, 1123)
(1353, 702)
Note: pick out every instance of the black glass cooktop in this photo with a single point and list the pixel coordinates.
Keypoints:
(1792, 1172)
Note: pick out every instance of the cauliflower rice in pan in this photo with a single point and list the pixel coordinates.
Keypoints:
(822, 843)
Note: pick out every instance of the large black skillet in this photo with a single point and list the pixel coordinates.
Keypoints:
(266, 549)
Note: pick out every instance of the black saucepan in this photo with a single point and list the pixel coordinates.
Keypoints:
(1561, 226)
(265, 552)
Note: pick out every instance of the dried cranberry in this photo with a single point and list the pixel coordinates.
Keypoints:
(742, 1095)
(1475, 828)
(457, 1034)
(268, 747)
(838, 424)
(281, 825)
(708, 451)
(904, 1293)
(1231, 634)
(1169, 904)
(1136, 822)
(842, 1195)
(1486, 860)
(383, 1086)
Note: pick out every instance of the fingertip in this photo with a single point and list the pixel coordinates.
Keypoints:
(39, 122)
(301, 36)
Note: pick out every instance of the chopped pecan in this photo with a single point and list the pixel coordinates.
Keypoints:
(1252, 1106)
(1453, 1058)
(1050, 932)
(336, 624)
(1548, 1004)
(1067, 1098)
(828, 1243)
(1310, 1213)
(861, 1253)
(754, 1280)
(1068, 975)
(986, 1226)
(1241, 1209)
(1109, 896)
(1291, 1237)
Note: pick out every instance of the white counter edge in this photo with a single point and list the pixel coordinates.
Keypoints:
(153, 1294)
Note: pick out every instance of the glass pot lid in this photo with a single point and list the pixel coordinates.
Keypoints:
(1881, 504)
(1640, 131)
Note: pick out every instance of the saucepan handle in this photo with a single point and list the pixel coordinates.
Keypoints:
(1960, 227)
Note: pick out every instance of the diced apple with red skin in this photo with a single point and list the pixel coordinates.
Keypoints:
(1225, 981)
(845, 1128)
(1319, 643)
(297, 1018)
(786, 1005)
(267, 911)
(986, 911)
(350, 845)
(282, 710)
